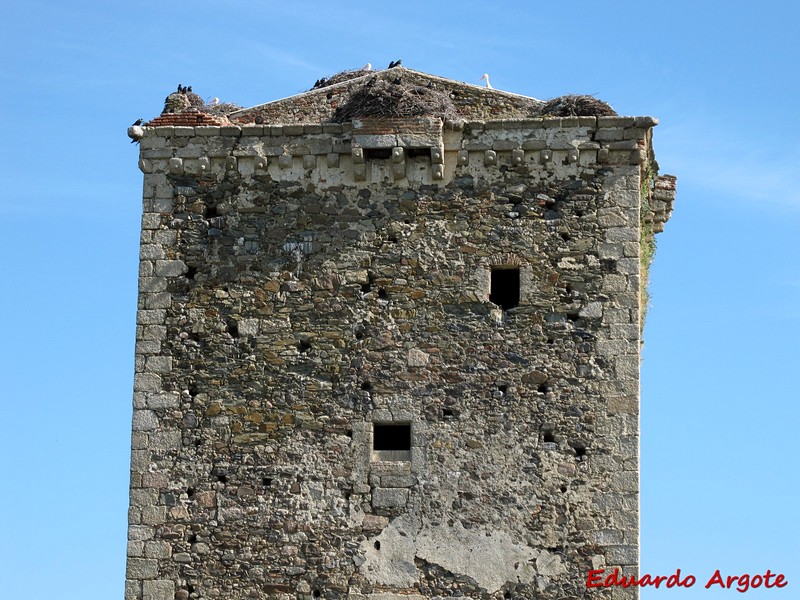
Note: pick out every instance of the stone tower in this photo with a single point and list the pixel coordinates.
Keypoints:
(388, 344)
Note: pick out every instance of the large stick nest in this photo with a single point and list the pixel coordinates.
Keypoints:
(576, 106)
(396, 98)
(220, 109)
(340, 77)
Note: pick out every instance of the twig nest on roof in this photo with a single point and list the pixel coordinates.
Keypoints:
(380, 98)
(575, 105)
(194, 100)
(220, 109)
(340, 77)
(178, 102)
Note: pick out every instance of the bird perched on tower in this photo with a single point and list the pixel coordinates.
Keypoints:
(136, 132)
(486, 77)
(395, 63)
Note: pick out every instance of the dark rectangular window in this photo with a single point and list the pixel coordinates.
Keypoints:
(377, 153)
(505, 288)
(391, 436)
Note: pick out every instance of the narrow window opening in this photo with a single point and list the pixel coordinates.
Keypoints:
(192, 538)
(417, 152)
(329, 95)
(563, 489)
(502, 388)
(190, 588)
(377, 545)
(383, 294)
(447, 412)
(366, 386)
(505, 288)
(266, 481)
(349, 433)
(233, 329)
(366, 288)
(189, 492)
(222, 478)
(316, 593)
(304, 345)
(191, 272)
(580, 452)
(548, 437)
(392, 437)
(377, 153)
(359, 335)
(543, 388)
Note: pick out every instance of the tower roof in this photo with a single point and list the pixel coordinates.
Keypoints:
(396, 92)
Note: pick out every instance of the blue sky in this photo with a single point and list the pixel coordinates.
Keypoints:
(719, 399)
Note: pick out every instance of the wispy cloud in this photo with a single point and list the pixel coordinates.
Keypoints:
(282, 57)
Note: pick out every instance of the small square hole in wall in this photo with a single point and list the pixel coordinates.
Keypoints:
(505, 287)
(391, 437)
(391, 442)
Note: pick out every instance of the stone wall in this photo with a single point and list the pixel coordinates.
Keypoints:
(301, 284)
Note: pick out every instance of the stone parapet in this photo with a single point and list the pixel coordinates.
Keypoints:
(332, 153)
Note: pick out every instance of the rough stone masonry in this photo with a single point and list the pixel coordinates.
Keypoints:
(392, 358)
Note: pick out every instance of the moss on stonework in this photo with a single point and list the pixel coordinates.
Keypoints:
(647, 239)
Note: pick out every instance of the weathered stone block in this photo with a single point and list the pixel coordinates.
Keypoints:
(142, 568)
(159, 590)
(170, 268)
(159, 364)
(146, 382)
(144, 420)
(163, 400)
(622, 555)
(389, 497)
(133, 589)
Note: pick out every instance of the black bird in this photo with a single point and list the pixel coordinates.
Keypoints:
(189, 89)
(180, 88)
(395, 63)
(138, 122)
